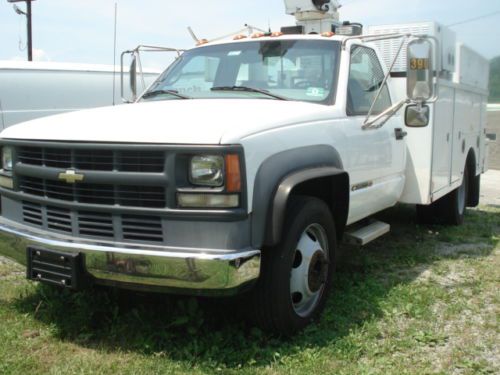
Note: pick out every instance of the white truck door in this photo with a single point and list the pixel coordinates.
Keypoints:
(377, 157)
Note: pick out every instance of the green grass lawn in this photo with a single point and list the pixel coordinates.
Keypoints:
(418, 301)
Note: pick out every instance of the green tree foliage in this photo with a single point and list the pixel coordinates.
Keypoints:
(495, 80)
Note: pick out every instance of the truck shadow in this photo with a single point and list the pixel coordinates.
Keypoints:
(214, 332)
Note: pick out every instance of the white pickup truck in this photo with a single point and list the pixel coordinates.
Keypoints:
(243, 167)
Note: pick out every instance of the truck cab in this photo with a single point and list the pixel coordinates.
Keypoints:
(240, 170)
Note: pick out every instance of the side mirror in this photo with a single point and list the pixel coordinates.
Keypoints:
(420, 78)
(133, 77)
(417, 116)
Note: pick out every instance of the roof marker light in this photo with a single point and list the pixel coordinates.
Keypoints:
(276, 34)
(258, 35)
(239, 37)
(328, 34)
(202, 42)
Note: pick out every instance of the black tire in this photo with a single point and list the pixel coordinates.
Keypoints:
(450, 209)
(474, 191)
(271, 306)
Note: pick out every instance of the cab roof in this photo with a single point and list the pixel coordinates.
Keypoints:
(336, 38)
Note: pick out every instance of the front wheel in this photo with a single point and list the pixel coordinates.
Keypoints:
(296, 274)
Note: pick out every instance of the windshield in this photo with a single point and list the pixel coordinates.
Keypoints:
(304, 70)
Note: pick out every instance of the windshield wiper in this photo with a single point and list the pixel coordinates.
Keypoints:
(248, 89)
(175, 93)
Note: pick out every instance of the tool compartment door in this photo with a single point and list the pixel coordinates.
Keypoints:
(442, 138)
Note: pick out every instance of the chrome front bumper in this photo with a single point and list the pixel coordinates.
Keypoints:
(142, 267)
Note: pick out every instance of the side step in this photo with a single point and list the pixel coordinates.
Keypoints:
(362, 235)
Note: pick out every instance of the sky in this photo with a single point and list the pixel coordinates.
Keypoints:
(82, 30)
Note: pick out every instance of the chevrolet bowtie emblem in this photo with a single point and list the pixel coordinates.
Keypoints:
(70, 176)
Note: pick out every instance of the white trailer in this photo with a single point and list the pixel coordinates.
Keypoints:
(30, 90)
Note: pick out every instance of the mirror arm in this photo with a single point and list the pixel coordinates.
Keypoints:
(384, 82)
(136, 51)
(141, 74)
(388, 113)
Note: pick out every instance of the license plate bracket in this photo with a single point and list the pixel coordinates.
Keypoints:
(57, 268)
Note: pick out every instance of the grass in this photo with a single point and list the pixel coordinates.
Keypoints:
(419, 301)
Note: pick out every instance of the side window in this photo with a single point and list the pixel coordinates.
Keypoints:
(365, 77)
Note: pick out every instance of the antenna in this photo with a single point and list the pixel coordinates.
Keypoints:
(114, 54)
(191, 32)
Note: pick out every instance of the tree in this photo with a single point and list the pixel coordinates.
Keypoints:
(495, 80)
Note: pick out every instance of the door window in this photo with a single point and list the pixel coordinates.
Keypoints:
(365, 78)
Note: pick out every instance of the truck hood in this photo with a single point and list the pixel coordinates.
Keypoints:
(209, 121)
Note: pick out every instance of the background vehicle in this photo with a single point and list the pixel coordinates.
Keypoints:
(30, 90)
(246, 163)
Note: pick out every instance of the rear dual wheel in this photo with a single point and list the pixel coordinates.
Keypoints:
(296, 274)
(450, 209)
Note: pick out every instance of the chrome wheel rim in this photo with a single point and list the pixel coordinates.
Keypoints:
(309, 270)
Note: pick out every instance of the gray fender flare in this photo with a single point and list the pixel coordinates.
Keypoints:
(277, 177)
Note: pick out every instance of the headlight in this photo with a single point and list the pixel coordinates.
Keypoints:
(207, 170)
(7, 158)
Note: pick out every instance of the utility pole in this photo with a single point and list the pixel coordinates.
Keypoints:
(29, 28)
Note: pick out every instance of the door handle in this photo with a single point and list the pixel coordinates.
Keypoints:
(400, 133)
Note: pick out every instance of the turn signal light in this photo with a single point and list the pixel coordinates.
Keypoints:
(233, 173)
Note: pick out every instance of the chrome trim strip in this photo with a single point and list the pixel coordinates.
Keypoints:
(151, 267)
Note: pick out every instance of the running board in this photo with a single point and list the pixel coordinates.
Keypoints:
(363, 235)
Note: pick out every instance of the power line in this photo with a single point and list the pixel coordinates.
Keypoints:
(475, 18)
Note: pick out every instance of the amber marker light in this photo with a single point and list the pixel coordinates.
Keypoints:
(328, 34)
(233, 173)
(202, 42)
(240, 37)
(276, 34)
(258, 35)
